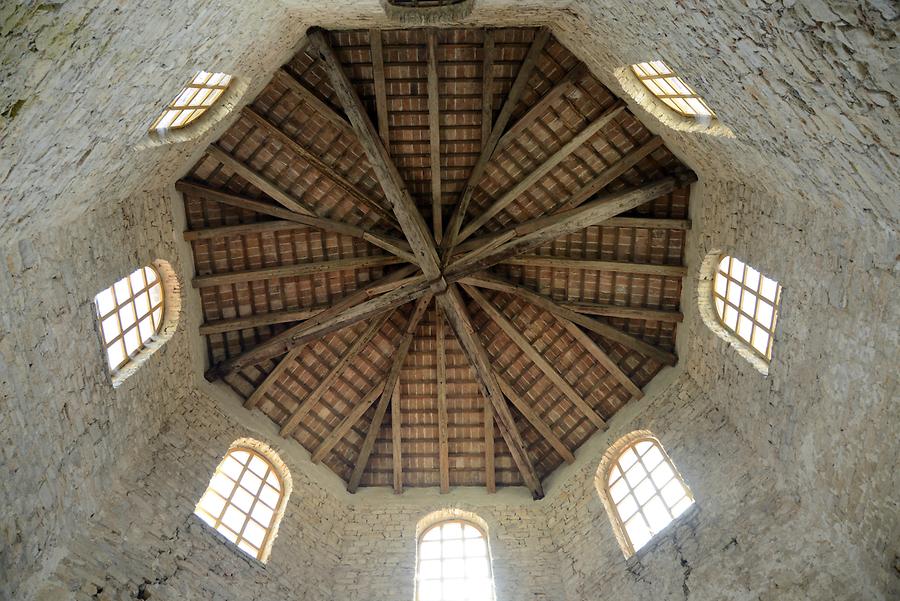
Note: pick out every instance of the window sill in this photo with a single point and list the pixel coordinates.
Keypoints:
(664, 535)
(234, 549)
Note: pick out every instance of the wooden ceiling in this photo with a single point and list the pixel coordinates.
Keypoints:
(438, 257)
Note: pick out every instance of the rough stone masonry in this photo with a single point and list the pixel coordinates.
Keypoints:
(795, 473)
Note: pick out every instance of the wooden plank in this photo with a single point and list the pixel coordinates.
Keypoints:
(318, 105)
(273, 376)
(291, 423)
(535, 420)
(393, 245)
(610, 174)
(397, 440)
(244, 229)
(298, 269)
(534, 175)
(350, 309)
(408, 215)
(487, 87)
(263, 183)
(624, 312)
(489, 147)
(380, 88)
(612, 266)
(455, 310)
(485, 280)
(535, 112)
(340, 181)
(512, 331)
(255, 321)
(443, 434)
(490, 473)
(434, 133)
(535, 232)
(342, 428)
(390, 383)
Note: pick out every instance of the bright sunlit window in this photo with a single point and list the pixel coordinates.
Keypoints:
(646, 492)
(130, 314)
(243, 500)
(747, 303)
(454, 564)
(671, 89)
(194, 100)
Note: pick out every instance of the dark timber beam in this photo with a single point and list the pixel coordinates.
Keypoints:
(535, 420)
(455, 310)
(380, 88)
(393, 245)
(347, 423)
(434, 133)
(321, 107)
(535, 175)
(490, 146)
(512, 331)
(288, 427)
(391, 382)
(443, 430)
(408, 215)
(297, 269)
(597, 265)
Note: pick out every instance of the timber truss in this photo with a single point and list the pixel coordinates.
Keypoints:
(414, 240)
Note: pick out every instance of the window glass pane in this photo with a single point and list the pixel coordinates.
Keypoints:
(269, 496)
(433, 534)
(627, 507)
(475, 547)
(452, 530)
(756, 295)
(203, 90)
(627, 459)
(637, 531)
(453, 564)
(258, 467)
(618, 490)
(242, 499)
(656, 513)
(644, 491)
(106, 302)
(652, 458)
(453, 548)
(430, 569)
(686, 102)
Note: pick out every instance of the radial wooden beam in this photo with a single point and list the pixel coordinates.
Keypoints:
(408, 215)
(443, 429)
(535, 232)
(347, 423)
(390, 291)
(291, 423)
(535, 420)
(434, 134)
(490, 146)
(512, 331)
(534, 175)
(390, 383)
(324, 109)
(259, 181)
(339, 181)
(258, 320)
(490, 473)
(485, 280)
(610, 174)
(397, 440)
(458, 316)
(487, 87)
(645, 314)
(535, 112)
(297, 269)
(597, 265)
(273, 376)
(381, 108)
(393, 245)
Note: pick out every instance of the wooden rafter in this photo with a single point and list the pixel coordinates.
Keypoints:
(324, 109)
(291, 423)
(390, 383)
(490, 146)
(443, 434)
(346, 424)
(258, 320)
(397, 440)
(490, 474)
(535, 420)
(338, 180)
(297, 269)
(641, 313)
(348, 310)
(410, 219)
(380, 87)
(458, 316)
(393, 245)
(676, 271)
(607, 331)
(273, 376)
(512, 331)
(534, 175)
(434, 135)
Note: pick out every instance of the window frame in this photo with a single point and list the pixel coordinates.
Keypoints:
(612, 508)
(264, 548)
(143, 345)
(464, 522)
(669, 100)
(757, 294)
(196, 111)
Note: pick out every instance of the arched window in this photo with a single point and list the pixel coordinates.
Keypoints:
(663, 83)
(642, 490)
(130, 313)
(746, 304)
(195, 99)
(453, 563)
(245, 500)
